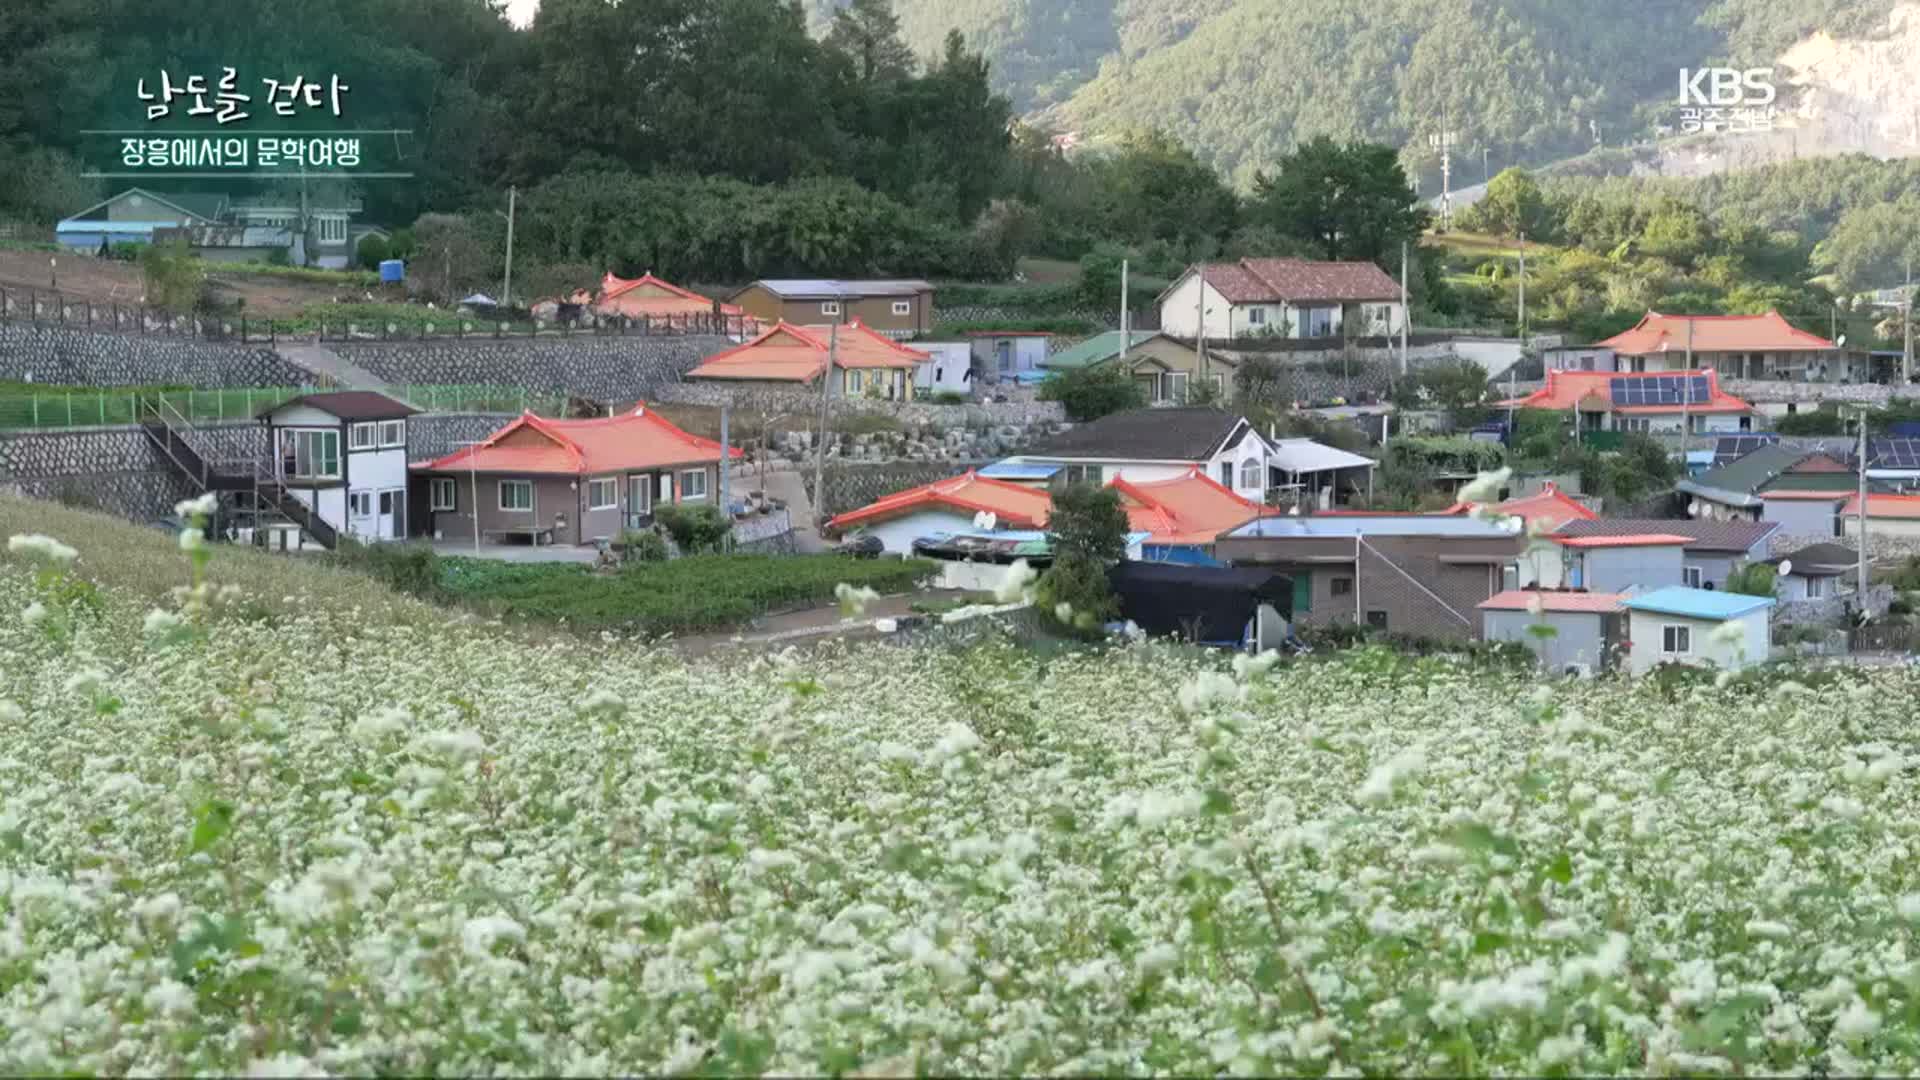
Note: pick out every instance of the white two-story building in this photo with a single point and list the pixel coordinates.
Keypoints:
(344, 455)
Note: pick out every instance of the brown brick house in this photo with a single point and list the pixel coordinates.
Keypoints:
(896, 308)
(1406, 573)
(566, 481)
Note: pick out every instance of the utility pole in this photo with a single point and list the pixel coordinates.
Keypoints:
(820, 450)
(1906, 322)
(1443, 142)
(506, 290)
(1126, 332)
(726, 473)
(1686, 401)
(1200, 319)
(1860, 519)
(1523, 291)
(1406, 314)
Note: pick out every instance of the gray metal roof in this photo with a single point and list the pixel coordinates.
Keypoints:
(1367, 525)
(821, 288)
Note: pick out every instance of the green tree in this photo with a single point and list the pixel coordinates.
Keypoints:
(372, 250)
(1088, 531)
(1089, 393)
(174, 277)
(1513, 205)
(1753, 579)
(867, 33)
(1351, 201)
(1155, 189)
(1871, 245)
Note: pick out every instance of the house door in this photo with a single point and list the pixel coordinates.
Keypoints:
(639, 500)
(1319, 322)
(391, 523)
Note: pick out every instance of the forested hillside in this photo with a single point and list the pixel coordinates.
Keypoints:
(1244, 80)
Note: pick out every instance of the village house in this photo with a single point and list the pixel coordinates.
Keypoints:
(947, 507)
(343, 455)
(649, 298)
(1589, 629)
(1816, 572)
(1887, 516)
(1408, 573)
(790, 357)
(1165, 369)
(898, 309)
(1678, 625)
(1735, 346)
(1283, 298)
(1153, 444)
(566, 481)
(1008, 356)
(1668, 402)
(948, 368)
(1182, 517)
(1619, 563)
(1712, 550)
(219, 229)
(1794, 486)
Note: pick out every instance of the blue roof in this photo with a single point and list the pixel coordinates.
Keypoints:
(1003, 470)
(1369, 525)
(1698, 603)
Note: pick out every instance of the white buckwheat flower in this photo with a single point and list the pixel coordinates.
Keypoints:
(200, 507)
(480, 935)
(33, 614)
(1014, 586)
(41, 546)
(160, 623)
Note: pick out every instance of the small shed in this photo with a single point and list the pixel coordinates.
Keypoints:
(1679, 625)
(1587, 628)
(1619, 563)
(947, 369)
(1815, 572)
(1212, 605)
(1006, 355)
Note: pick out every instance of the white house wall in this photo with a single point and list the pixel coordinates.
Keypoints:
(898, 534)
(1751, 647)
(947, 370)
(1178, 317)
(1901, 527)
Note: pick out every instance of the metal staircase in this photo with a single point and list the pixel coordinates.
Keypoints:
(259, 491)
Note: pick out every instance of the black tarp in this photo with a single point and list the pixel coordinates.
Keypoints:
(1165, 598)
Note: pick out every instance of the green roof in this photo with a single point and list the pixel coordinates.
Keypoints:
(1098, 349)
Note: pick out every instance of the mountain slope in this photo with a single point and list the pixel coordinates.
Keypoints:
(1243, 80)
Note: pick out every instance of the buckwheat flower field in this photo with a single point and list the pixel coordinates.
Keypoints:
(316, 839)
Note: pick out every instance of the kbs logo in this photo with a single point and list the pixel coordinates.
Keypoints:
(1732, 100)
(1726, 86)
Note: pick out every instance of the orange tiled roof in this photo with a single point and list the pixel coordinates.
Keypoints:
(1884, 506)
(1565, 389)
(648, 295)
(1549, 506)
(1559, 602)
(791, 353)
(641, 439)
(1189, 509)
(1713, 333)
(1630, 540)
(1016, 505)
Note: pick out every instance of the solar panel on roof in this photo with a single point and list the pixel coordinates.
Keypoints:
(1893, 453)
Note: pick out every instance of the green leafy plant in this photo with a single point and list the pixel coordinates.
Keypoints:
(642, 546)
(696, 528)
(1090, 393)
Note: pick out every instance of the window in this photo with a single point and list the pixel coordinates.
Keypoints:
(393, 433)
(1377, 619)
(603, 494)
(1690, 577)
(361, 436)
(1173, 386)
(1341, 586)
(1816, 588)
(856, 381)
(310, 454)
(387, 504)
(1256, 316)
(1250, 476)
(516, 495)
(1226, 474)
(1676, 639)
(443, 494)
(1003, 352)
(666, 487)
(360, 504)
(1082, 474)
(693, 484)
(830, 307)
(903, 307)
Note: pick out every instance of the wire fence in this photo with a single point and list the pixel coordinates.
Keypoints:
(47, 308)
(29, 410)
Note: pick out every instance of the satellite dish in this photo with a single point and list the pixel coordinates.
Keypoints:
(1786, 567)
(1693, 508)
(1841, 341)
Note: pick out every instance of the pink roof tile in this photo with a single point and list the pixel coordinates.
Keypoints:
(641, 439)
(1556, 602)
(1713, 333)
(1274, 281)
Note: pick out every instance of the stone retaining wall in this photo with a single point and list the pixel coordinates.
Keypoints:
(610, 369)
(850, 487)
(908, 413)
(1829, 608)
(61, 355)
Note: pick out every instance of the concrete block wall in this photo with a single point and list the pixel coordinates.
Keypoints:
(908, 413)
(610, 369)
(71, 356)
